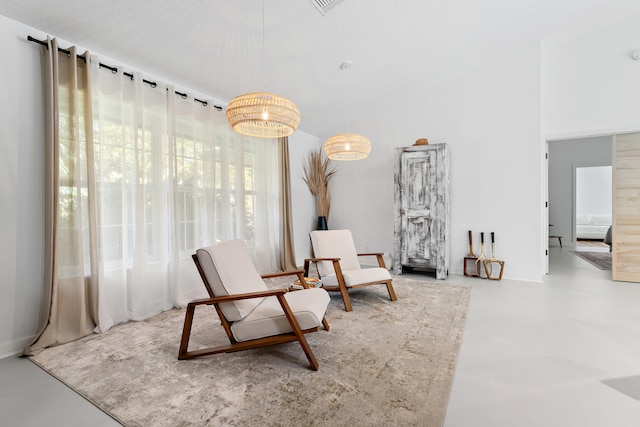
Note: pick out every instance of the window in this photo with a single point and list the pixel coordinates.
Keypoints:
(168, 176)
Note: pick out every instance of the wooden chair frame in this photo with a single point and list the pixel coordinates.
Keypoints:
(297, 334)
(342, 286)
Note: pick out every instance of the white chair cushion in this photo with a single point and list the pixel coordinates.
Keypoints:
(357, 277)
(268, 319)
(229, 270)
(334, 244)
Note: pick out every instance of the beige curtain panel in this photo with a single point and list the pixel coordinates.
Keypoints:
(287, 249)
(68, 309)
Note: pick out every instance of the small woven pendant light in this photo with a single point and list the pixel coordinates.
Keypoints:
(263, 114)
(347, 146)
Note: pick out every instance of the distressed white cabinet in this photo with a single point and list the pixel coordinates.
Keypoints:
(421, 225)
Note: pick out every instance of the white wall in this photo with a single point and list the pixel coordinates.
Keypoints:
(491, 121)
(303, 207)
(591, 86)
(21, 187)
(593, 190)
(564, 157)
(495, 120)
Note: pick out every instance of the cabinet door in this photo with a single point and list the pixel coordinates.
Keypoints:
(418, 187)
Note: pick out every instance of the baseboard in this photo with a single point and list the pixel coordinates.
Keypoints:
(13, 348)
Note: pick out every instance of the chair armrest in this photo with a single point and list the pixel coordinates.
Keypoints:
(321, 259)
(299, 273)
(378, 256)
(316, 260)
(282, 273)
(236, 297)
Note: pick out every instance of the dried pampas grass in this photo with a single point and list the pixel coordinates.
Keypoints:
(318, 171)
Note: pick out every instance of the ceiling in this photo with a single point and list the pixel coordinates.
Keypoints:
(216, 47)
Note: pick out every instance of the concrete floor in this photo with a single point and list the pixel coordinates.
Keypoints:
(562, 353)
(565, 352)
(30, 397)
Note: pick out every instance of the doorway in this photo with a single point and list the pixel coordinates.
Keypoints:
(593, 208)
(565, 157)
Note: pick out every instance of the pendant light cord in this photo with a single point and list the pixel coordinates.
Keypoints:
(345, 66)
(348, 98)
(264, 82)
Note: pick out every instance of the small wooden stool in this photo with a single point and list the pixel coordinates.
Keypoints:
(557, 237)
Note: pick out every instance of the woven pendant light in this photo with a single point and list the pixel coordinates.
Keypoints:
(263, 115)
(347, 146)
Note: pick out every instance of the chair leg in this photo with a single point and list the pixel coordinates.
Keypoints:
(298, 332)
(325, 324)
(392, 293)
(345, 298)
(186, 331)
(344, 292)
(307, 351)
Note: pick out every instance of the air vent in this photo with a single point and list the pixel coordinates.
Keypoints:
(324, 6)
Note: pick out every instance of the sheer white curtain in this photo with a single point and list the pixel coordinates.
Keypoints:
(171, 176)
(138, 178)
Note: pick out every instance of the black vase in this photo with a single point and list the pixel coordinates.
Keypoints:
(322, 223)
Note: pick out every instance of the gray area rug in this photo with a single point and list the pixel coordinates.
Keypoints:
(385, 363)
(602, 260)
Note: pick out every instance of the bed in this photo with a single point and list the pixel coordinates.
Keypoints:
(592, 226)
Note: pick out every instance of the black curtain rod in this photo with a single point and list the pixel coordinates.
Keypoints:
(114, 70)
